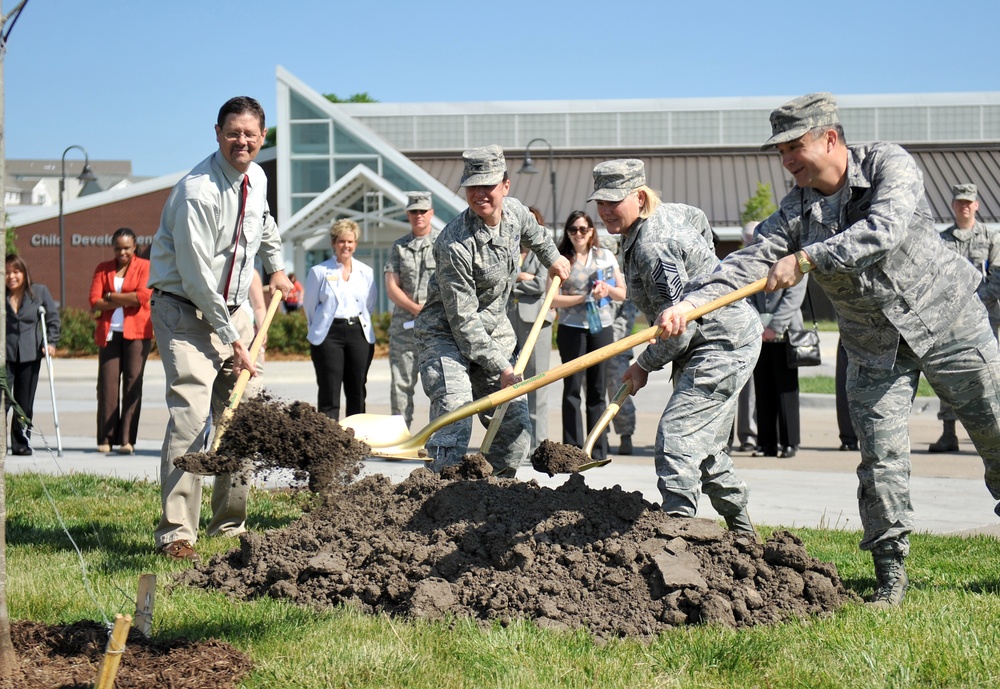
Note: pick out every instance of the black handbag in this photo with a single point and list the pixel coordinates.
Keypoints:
(803, 345)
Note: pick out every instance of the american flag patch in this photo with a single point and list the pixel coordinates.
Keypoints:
(668, 281)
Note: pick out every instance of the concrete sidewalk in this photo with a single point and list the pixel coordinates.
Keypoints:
(816, 488)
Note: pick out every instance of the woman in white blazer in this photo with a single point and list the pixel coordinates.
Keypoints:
(339, 298)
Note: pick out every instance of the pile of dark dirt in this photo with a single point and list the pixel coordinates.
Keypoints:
(267, 435)
(555, 458)
(496, 549)
(69, 657)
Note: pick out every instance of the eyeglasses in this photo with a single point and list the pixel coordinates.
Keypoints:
(236, 136)
(577, 230)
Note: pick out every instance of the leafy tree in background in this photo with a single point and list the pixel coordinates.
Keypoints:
(363, 97)
(10, 239)
(760, 205)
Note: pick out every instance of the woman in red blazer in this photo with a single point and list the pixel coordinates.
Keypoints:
(119, 298)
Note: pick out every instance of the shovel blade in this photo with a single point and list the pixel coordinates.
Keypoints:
(594, 464)
(378, 430)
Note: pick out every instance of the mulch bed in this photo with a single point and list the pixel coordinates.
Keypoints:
(69, 656)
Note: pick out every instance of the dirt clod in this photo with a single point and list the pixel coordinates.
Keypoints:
(555, 458)
(267, 435)
(472, 466)
(495, 550)
(68, 656)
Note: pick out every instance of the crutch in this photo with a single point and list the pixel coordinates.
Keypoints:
(52, 384)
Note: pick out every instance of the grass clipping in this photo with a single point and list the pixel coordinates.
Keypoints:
(266, 435)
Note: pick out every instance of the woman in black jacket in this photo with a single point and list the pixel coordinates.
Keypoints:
(25, 343)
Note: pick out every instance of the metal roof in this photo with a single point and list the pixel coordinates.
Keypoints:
(720, 182)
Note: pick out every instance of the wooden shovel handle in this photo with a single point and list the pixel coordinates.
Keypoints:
(522, 362)
(616, 404)
(570, 367)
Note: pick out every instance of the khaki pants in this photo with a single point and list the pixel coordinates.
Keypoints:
(198, 368)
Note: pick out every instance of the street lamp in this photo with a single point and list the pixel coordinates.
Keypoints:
(529, 168)
(86, 175)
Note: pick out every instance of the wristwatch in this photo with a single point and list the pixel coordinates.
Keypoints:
(804, 265)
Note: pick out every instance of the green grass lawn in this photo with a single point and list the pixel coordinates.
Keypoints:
(947, 633)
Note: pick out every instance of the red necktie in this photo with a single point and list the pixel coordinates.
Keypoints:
(236, 239)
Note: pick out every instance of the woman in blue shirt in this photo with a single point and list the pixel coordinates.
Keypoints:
(594, 276)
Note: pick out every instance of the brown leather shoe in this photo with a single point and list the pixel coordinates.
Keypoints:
(179, 550)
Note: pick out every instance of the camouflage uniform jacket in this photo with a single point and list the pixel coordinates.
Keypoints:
(660, 255)
(980, 245)
(412, 259)
(476, 268)
(881, 262)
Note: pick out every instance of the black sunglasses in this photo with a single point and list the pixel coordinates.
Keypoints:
(578, 230)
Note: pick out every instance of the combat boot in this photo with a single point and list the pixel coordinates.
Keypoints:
(891, 580)
(948, 442)
(625, 445)
(740, 523)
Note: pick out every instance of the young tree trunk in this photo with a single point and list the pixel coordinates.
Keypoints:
(8, 661)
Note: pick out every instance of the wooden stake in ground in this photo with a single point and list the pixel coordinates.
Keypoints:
(144, 604)
(113, 653)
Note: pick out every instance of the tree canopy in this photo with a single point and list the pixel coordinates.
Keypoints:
(363, 97)
(760, 205)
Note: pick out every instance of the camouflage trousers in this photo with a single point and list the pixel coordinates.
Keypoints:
(404, 365)
(451, 381)
(624, 421)
(964, 369)
(690, 454)
(945, 412)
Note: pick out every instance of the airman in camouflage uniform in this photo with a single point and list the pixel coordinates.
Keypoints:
(662, 250)
(859, 218)
(467, 341)
(980, 245)
(407, 274)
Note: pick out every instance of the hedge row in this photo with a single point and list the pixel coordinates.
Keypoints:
(287, 334)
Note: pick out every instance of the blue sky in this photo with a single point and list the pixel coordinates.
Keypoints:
(142, 80)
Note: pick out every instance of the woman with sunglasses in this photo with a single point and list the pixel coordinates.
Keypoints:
(586, 316)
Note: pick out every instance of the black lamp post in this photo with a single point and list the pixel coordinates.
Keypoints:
(86, 175)
(529, 168)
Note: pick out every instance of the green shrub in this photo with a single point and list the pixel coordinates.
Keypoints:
(380, 321)
(76, 336)
(287, 334)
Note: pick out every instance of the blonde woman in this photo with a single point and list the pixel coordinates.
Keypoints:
(664, 246)
(340, 294)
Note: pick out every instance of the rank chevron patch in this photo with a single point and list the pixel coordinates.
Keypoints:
(668, 281)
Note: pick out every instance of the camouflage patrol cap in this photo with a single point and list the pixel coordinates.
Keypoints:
(798, 116)
(418, 201)
(484, 166)
(616, 179)
(964, 192)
